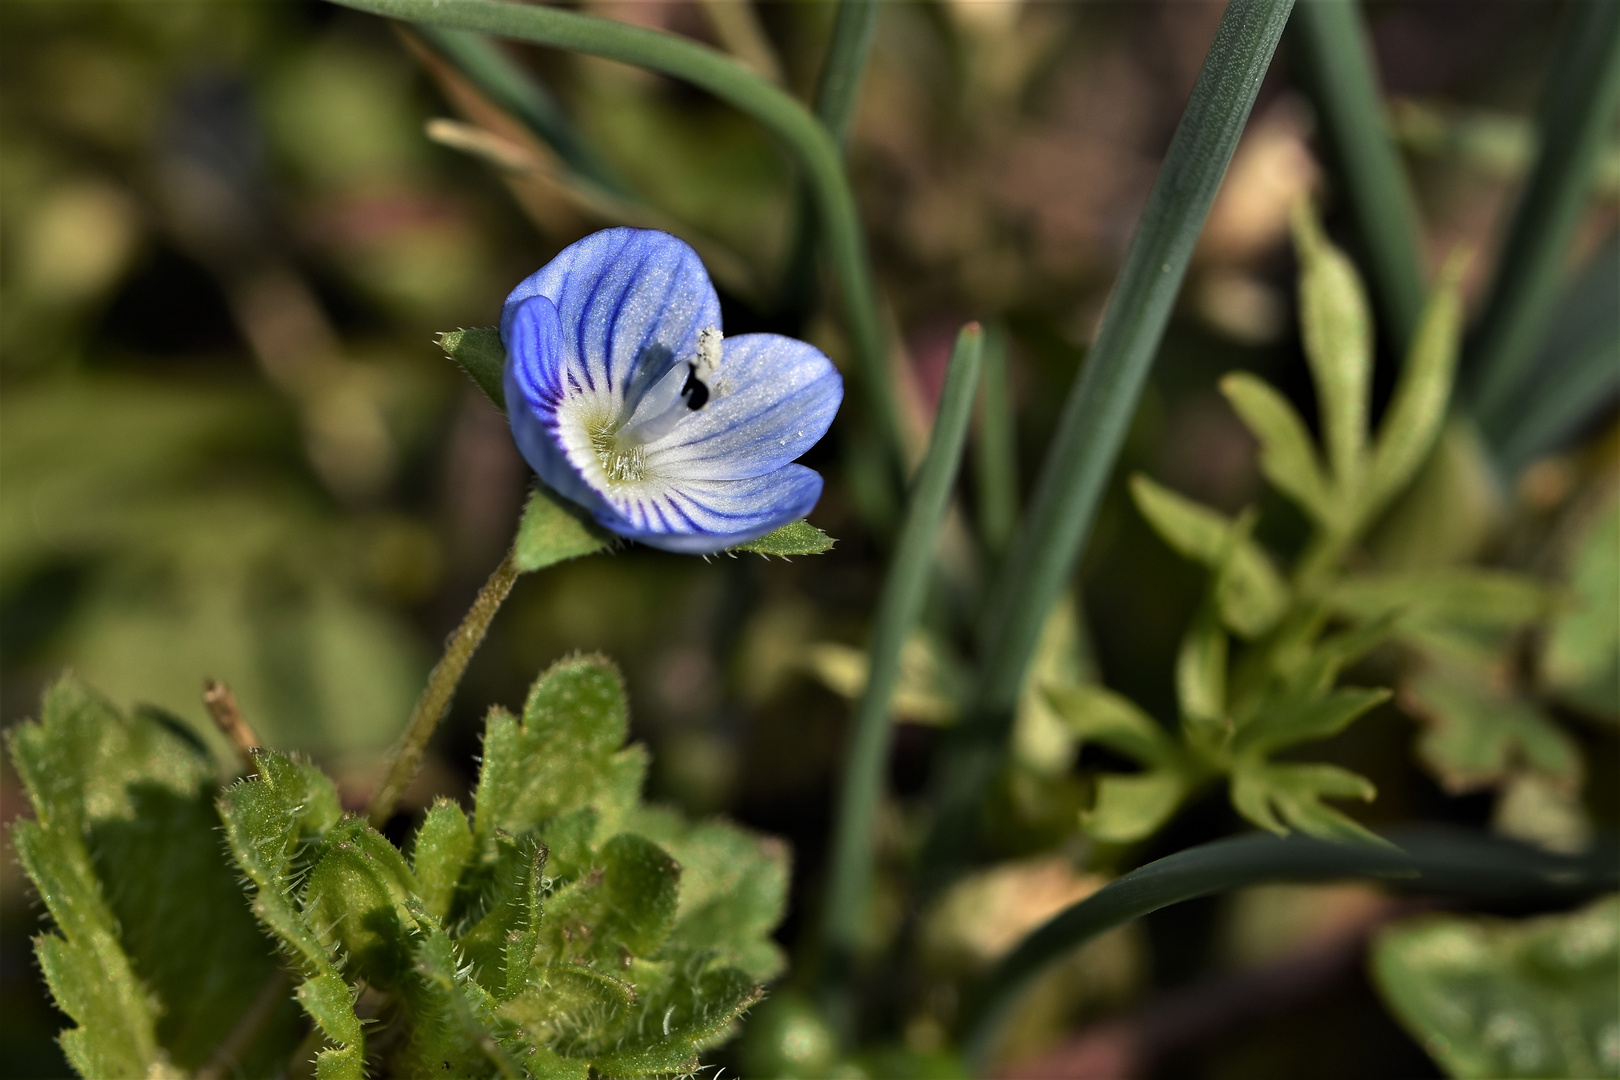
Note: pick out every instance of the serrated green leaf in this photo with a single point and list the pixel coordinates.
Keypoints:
(1132, 807)
(1418, 409)
(554, 530)
(1250, 593)
(1283, 796)
(88, 973)
(1492, 998)
(563, 756)
(356, 899)
(1581, 661)
(481, 355)
(1306, 721)
(1099, 715)
(1287, 456)
(1477, 735)
(795, 538)
(1336, 326)
(126, 801)
(733, 891)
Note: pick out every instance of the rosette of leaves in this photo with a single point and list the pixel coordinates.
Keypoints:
(1257, 671)
(563, 929)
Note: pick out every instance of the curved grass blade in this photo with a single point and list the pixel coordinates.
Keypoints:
(1099, 408)
(807, 138)
(1431, 859)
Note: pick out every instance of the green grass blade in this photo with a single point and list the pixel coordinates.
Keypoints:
(1576, 116)
(506, 84)
(904, 591)
(1340, 73)
(841, 72)
(1423, 858)
(1579, 368)
(996, 457)
(803, 135)
(1099, 409)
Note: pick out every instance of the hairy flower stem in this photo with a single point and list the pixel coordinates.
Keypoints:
(406, 757)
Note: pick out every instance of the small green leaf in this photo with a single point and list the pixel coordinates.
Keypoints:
(554, 530)
(1287, 456)
(1132, 807)
(506, 917)
(1307, 721)
(357, 895)
(1465, 596)
(733, 891)
(481, 355)
(444, 847)
(1418, 409)
(670, 1026)
(1201, 671)
(1582, 657)
(795, 538)
(451, 1015)
(628, 902)
(1476, 736)
(330, 1003)
(1250, 593)
(1491, 998)
(564, 755)
(1279, 797)
(1099, 715)
(1337, 330)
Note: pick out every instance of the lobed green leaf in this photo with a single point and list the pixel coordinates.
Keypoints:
(1283, 796)
(1492, 998)
(1287, 456)
(1477, 735)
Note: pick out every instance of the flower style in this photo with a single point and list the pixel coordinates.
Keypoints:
(626, 398)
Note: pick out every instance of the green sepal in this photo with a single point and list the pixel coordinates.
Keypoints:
(795, 538)
(356, 899)
(1491, 998)
(481, 355)
(553, 530)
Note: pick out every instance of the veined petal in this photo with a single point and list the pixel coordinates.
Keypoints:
(536, 392)
(698, 517)
(775, 397)
(630, 302)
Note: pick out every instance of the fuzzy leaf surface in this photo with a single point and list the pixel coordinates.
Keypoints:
(553, 530)
(795, 538)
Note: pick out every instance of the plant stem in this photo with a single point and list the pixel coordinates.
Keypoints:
(1097, 413)
(904, 590)
(809, 141)
(1576, 116)
(1342, 77)
(406, 757)
(996, 474)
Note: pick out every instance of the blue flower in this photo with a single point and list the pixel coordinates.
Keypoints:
(626, 399)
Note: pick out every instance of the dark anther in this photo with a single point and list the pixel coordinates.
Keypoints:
(695, 391)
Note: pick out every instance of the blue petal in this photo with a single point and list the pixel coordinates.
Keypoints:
(776, 398)
(698, 517)
(534, 384)
(625, 299)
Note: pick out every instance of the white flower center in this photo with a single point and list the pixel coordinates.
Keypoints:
(620, 442)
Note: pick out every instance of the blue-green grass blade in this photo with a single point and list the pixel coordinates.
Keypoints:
(1575, 119)
(899, 606)
(996, 448)
(1098, 411)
